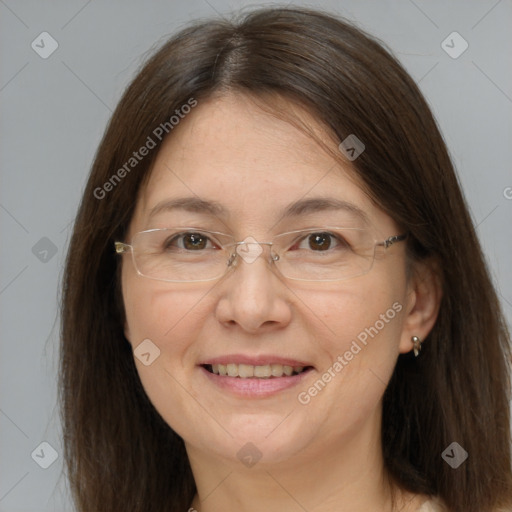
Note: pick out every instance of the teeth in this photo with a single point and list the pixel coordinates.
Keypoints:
(232, 370)
(287, 370)
(245, 371)
(262, 371)
(276, 369)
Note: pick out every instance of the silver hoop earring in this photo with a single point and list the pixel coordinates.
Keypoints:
(417, 345)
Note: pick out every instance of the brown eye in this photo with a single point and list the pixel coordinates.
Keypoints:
(193, 241)
(187, 241)
(320, 241)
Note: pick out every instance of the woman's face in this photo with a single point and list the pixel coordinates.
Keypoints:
(347, 334)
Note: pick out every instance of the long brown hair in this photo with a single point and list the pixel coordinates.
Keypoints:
(119, 452)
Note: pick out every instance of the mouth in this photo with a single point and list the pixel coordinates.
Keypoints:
(246, 377)
(249, 371)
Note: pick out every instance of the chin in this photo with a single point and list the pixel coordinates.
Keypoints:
(262, 439)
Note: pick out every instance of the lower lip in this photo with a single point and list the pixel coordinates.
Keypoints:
(254, 387)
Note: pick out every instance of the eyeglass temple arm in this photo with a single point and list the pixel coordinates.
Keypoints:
(121, 247)
(393, 239)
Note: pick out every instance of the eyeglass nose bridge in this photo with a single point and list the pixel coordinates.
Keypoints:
(249, 250)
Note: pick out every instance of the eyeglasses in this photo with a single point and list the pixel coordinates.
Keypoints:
(188, 254)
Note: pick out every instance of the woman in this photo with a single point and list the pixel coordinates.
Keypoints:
(274, 297)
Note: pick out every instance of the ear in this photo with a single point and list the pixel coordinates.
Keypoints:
(424, 295)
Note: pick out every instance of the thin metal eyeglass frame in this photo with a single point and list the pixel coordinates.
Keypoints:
(122, 247)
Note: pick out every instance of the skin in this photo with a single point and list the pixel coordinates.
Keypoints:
(325, 455)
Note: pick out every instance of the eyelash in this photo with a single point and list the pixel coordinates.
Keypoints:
(340, 241)
(179, 236)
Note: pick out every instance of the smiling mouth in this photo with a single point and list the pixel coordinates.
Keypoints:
(248, 371)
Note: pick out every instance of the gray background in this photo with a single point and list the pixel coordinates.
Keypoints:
(54, 111)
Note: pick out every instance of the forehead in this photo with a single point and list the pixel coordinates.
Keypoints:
(252, 164)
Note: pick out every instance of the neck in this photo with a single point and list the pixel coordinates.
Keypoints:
(347, 476)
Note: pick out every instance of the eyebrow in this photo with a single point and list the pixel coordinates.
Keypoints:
(317, 204)
(296, 209)
(189, 204)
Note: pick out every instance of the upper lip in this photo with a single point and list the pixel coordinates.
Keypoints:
(260, 360)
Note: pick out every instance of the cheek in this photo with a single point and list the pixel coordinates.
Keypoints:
(163, 313)
(170, 317)
(358, 332)
(359, 313)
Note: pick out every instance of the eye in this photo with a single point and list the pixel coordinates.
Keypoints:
(321, 241)
(189, 241)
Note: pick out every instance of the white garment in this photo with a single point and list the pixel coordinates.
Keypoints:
(436, 505)
(433, 505)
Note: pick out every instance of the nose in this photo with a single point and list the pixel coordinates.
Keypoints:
(253, 295)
